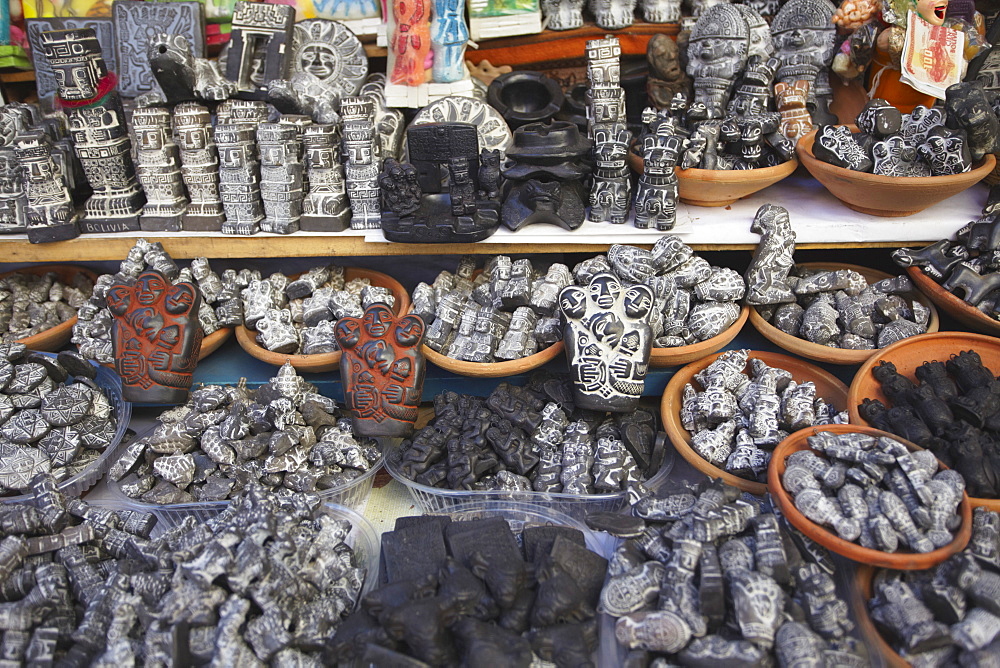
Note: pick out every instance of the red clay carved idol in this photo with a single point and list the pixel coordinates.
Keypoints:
(156, 337)
(382, 369)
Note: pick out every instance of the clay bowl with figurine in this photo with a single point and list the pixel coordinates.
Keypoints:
(862, 592)
(322, 362)
(908, 355)
(826, 354)
(828, 387)
(493, 369)
(665, 357)
(888, 196)
(721, 187)
(900, 561)
(953, 305)
(53, 338)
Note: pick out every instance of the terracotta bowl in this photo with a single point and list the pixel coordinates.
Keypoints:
(901, 561)
(54, 338)
(662, 357)
(954, 306)
(493, 369)
(888, 196)
(909, 354)
(323, 361)
(827, 386)
(721, 187)
(214, 341)
(864, 588)
(815, 351)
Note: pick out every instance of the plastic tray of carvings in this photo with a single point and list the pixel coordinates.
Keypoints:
(441, 500)
(352, 494)
(76, 485)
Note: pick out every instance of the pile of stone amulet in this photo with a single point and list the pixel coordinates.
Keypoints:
(220, 304)
(711, 579)
(283, 435)
(299, 316)
(49, 423)
(738, 417)
(31, 304)
(266, 580)
(530, 438)
(948, 615)
(839, 309)
(874, 492)
(472, 593)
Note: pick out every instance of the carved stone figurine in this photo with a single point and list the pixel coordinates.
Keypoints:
(666, 75)
(656, 194)
(181, 76)
(260, 43)
(156, 337)
(239, 179)
(97, 121)
(606, 97)
(199, 166)
(611, 193)
(281, 176)
(361, 165)
(50, 212)
(159, 168)
(449, 35)
(13, 200)
(563, 14)
(383, 370)
(409, 42)
(326, 208)
(969, 109)
(717, 53)
(767, 275)
(803, 34)
(608, 341)
(613, 14)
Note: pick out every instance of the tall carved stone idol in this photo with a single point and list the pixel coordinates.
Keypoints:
(239, 179)
(717, 53)
(199, 166)
(325, 208)
(159, 167)
(280, 177)
(51, 216)
(361, 164)
(261, 40)
(97, 123)
(13, 201)
(156, 337)
(382, 369)
(606, 97)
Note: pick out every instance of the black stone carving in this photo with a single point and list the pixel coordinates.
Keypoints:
(525, 97)
(184, 77)
(45, 80)
(49, 208)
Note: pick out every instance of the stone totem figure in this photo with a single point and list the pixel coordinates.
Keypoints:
(383, 370)
(280, 177)
(260, 43)
(612, 189)
(199, 166)
(97, 124)
(156, 337)
(325, 208)
(449, 36)
(158, 164)
(717, 53)
(362, 168)
(13, 200)
(50, 212)
(803, 34)
(656, 194)
(608, 341)
(606, 97)
(239, 184)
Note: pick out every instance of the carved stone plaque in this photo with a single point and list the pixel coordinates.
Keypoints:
(45, 80)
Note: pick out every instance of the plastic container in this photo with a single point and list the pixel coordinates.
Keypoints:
(76, 485)
(439, 500)
(353, 494)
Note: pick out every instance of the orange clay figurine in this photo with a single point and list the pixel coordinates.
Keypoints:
(411, 41)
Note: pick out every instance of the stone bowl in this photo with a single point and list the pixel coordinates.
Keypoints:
(54, 338)
(323, 361)
(492, 369)
(721, 187)
(909, 354)
(665, 357)
(827, 386)
(954, 306)
(820, 353)
(888, 196)
(900, 561)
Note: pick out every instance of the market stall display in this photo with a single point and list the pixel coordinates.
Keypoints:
(40, 304)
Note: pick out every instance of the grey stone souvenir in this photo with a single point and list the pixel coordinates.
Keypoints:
(946, 152)
(329, 51)
(493, 131)
(181, 75)
(613, 14)
(562, 14)
(281, 176)
(617, 317)
(717, 53)
(325, 208)
(611, 192)
(361, 165)
(87, 92)
(159, 170)
(45, 80)
(50, 212)
(137, 23)
(666, 73)
(661, 11)
(835, 144)
(259, 47)
(767, 274)
(199, 158)
(969, 109)
(239, 179)
(606, 97)
(803, 35)
(656, 195)
(13, 200)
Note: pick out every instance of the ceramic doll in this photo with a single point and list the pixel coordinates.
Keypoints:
(449, 35)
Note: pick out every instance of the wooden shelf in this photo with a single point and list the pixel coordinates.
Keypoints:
(17, 77)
